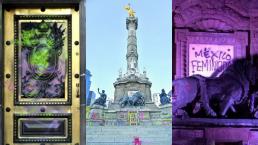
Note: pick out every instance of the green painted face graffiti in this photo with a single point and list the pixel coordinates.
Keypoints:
(40, 59)
(41, 46)
(41, 42)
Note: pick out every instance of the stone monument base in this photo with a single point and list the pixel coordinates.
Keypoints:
(204, 131)
(114, 115)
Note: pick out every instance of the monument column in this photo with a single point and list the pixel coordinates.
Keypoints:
(132, 81)
(132, 55)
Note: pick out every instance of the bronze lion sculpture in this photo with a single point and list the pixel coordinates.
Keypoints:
(230, 88)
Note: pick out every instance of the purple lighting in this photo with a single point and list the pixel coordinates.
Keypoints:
(208, 38)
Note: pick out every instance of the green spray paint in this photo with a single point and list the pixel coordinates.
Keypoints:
(28, 38)
(40, 58)
(40, 55)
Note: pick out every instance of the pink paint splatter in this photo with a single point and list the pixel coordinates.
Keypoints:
(137, 141)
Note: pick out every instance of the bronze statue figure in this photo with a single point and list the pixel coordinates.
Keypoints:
(130, 11)
(102, 99)
(163, 98)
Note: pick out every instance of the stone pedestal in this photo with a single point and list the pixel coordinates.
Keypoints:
(215, 131)
(96, 116)
(123, 87)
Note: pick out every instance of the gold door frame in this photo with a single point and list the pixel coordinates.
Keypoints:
(19, 109)
(18, 19)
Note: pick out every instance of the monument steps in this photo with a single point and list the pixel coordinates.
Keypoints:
(124, 135)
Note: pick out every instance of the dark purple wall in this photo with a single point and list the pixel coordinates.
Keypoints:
(233, 22)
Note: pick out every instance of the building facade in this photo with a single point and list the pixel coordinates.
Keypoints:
(90, 95)
(88, 83)
(156, 98)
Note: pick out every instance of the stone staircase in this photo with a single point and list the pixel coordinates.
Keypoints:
(124, 135)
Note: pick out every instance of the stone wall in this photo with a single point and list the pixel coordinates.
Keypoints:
(122, 89)
(105, 117)
(223, 22)
(214, 136)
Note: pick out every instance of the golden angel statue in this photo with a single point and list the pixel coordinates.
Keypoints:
(130, 11)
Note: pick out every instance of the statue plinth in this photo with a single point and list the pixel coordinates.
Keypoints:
(132, 83)
(132, 21)
(95, 106)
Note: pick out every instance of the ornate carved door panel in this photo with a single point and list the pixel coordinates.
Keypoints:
(42, 85)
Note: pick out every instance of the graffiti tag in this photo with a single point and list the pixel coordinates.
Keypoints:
(204, 59)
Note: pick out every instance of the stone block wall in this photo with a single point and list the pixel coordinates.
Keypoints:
(122, 89)
(148, 135)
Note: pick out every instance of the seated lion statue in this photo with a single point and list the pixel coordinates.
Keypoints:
(136, 99)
